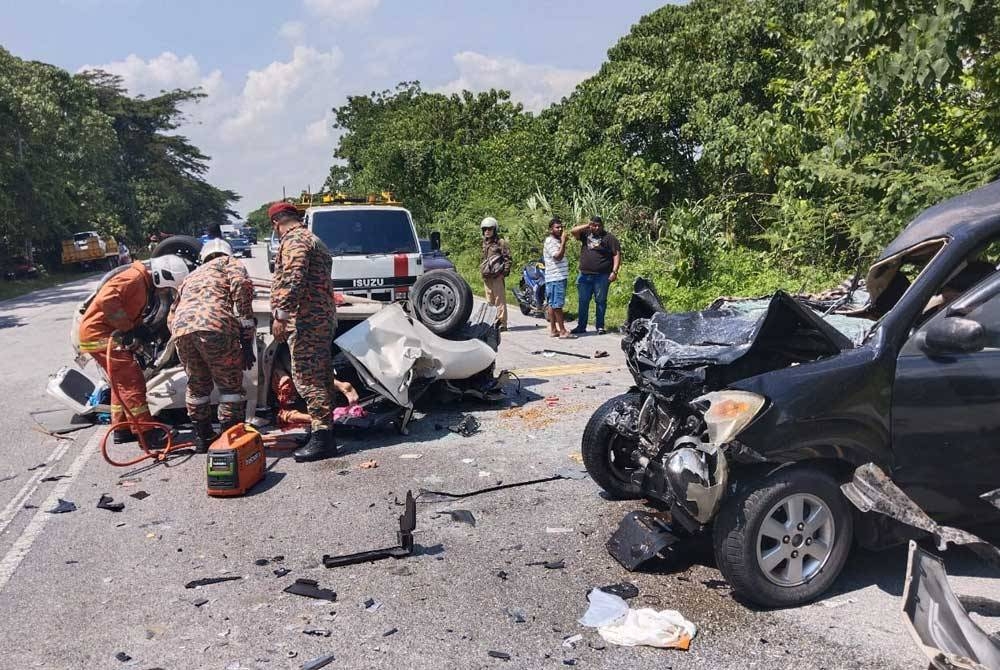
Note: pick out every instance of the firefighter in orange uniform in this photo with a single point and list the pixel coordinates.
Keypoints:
(116, 311)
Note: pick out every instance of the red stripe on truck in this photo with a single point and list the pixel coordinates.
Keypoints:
(401, 265)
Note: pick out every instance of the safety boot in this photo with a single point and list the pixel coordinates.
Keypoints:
(204, 436)
(320, 445)
(156, 439)
(123, 436)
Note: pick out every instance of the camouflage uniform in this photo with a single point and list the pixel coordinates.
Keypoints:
(302, 294)
(207, 334)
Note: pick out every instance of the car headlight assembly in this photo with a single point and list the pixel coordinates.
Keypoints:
(729, 412)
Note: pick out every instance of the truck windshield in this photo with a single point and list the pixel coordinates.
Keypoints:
(357, 232)
(82, 237)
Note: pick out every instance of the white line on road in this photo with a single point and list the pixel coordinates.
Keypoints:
(11, 510)
(22, 545)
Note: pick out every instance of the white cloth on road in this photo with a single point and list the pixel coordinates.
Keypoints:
(618, 624)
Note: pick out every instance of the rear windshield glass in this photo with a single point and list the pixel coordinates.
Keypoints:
(364, 231)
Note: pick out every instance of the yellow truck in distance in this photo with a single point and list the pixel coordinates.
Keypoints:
(88, 248)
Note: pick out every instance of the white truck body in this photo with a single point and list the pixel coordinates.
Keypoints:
(375, 248)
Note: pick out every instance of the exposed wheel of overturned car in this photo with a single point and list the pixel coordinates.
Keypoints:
(607, 454)
(183, 245)
(442, 301)
(781, 541)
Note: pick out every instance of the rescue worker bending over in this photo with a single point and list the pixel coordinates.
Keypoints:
(304, 313)
(116, 311)
(214, 344)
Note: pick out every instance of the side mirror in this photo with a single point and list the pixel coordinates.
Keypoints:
(435, 241)
(954, 335)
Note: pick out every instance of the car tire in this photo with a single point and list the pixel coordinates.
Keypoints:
(183, 245)
(743, 545)
(442, 301)
(605, 452)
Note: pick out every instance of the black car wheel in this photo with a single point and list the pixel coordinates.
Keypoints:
(442, 301)
(183, 245)
(607, 455)
(783, 540)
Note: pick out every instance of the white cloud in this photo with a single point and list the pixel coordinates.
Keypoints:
(272, 90)
(271, 131)
(164, 72)
(342, 9)
(293, 31)
(536, 86)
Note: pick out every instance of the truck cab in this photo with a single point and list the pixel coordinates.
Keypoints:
(374, 244)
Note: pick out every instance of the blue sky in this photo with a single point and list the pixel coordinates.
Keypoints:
(273, 70)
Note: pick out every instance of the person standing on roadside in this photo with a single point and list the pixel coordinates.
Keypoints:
(600, 259)
(212, 325)
(494, 267)
(304, 313)
(556, 277)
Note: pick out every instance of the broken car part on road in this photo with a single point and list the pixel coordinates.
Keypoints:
(407, 524)
(425, 496)
(310, 588)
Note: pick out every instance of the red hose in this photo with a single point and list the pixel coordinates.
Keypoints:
(136, 427)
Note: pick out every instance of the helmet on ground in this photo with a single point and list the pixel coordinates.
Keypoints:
(488, 222)
(168, 271)
(214, 248)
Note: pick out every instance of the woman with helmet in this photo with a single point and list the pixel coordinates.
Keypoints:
(116, 312)
(494, 267)
(213, 328)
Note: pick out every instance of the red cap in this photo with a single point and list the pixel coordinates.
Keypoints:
(281, 208)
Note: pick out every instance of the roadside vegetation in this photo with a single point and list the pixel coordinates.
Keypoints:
(77, 153)
(733, 147)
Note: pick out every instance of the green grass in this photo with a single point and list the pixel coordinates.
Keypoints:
(18, 287)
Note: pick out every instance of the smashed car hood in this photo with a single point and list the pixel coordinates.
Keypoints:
(393, 352)
(782, 333)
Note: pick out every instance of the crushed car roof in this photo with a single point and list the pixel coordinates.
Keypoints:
(961, 215)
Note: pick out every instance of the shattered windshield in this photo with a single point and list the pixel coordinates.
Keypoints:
(853, 328)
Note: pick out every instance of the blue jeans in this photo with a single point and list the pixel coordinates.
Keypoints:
(596, 287)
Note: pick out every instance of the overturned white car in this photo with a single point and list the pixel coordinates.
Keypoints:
(383, 349)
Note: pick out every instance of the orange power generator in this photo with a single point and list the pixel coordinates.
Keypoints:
(235, 462)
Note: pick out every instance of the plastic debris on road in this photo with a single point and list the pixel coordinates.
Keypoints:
(319, 662)
(368, 465)
(62, 507)
(467, 426)
(410, 457)
(108, 503)
(618, 624)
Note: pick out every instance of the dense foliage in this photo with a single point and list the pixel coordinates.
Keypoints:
(734, 147)
(77, 153)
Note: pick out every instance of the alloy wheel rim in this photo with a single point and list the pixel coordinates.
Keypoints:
(795, 540)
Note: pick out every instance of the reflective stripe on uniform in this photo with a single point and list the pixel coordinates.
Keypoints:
(94, 345)
(232, 397)
(138, 409)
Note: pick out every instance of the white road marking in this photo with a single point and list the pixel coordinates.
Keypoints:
(11, 510)
(23, 544)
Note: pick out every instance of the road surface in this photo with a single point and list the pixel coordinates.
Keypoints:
(78, 588)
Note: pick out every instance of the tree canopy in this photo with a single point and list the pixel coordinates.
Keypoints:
(78, 153)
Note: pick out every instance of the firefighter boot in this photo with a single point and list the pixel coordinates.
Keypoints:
(123, 436)
(320, 445)
(156, 439)
(204, 436)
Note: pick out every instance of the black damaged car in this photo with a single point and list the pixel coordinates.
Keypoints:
(747, 418)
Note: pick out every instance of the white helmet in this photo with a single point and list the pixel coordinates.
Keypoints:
(488, 222)
(214, 247)
(168, 271)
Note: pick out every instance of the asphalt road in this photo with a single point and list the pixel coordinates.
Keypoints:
(77, 588)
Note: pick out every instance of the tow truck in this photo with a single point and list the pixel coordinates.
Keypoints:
(376, 255)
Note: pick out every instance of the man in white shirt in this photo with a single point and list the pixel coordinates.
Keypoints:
(556, 275)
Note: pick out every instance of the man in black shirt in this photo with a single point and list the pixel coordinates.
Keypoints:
(600, 259)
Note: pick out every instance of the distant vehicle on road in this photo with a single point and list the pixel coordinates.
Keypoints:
(434, 259)
(88, 249)
(241, 245)
(20, 267)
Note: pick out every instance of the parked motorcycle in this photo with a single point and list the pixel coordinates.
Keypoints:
(530, 291)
